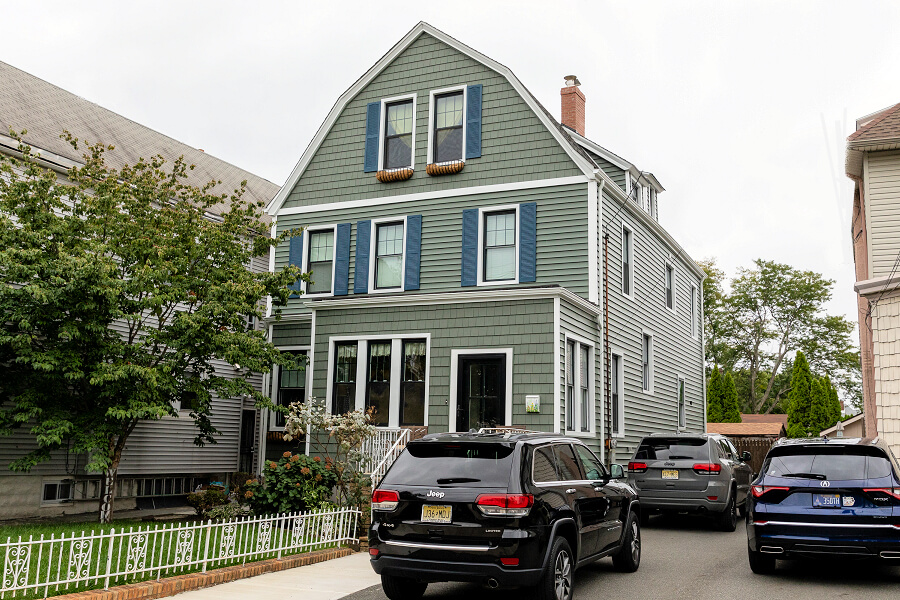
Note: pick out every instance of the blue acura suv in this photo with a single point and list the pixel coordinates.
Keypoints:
(824, 497)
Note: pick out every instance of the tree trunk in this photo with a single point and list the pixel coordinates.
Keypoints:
(109, 489)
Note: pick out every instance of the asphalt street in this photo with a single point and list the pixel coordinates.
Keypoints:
(685, 557)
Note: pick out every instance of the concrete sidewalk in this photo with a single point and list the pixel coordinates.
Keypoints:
(328, 580)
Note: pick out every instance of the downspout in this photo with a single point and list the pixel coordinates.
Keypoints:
(607, 425)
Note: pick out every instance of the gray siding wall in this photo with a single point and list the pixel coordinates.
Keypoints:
(883, 207)
(515, 144)
(676, 352)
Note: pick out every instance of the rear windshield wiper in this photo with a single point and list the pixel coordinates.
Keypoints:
(804, 475)
(457, 480)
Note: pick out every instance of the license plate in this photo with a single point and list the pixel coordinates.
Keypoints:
(827, 500)
(434, 513)
(670, 474)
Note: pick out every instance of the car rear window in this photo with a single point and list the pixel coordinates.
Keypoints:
(463, 464)
(837, 463)
(672, 449)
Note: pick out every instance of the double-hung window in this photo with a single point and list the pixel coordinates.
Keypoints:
(627, 264)
(670, 287)
(389, 255)
(499, 259)
(378, 384)
(344, 385)
(399, 120)
(579, 388)
(321, 261)
(447, 136)
(412, 387)
(647, 362)
(291, 386)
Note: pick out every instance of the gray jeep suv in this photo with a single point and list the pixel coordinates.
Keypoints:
(691, 473)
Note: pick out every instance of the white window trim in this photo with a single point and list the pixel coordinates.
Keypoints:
(669, 264)
(630, 231)
(454, 376)
(481, 214)
(362, 355)
(695, 305)
(56, 482)
(307, 253)
(276, 380)
(680, 382)
(431, 108)
(579, 341)
(373, 246)
(381, 130)
(620, 380)
(652, 358)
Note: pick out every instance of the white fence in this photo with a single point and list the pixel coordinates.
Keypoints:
(42, 567)
(389, 455)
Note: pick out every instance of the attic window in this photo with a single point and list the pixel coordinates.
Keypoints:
(398, 135)
(448, 127)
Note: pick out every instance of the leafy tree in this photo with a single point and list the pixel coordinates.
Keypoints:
(118, 288)
(718, 352)
(818, 407)
(714, 397)
(834, 403)
(731, 412)
(800, 399)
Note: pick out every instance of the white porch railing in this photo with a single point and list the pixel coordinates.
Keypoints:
(381, 449)
(71, 562)
(389, 456)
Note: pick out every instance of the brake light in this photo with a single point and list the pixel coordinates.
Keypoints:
(385, 500)
(509, 562)
(760, 490)
(707, 468)
(373, 551)
(505, 505)
(637, 467)
(895, 492)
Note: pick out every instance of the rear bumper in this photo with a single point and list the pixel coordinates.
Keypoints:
(791, 540)
(434, 570)
(697, 504)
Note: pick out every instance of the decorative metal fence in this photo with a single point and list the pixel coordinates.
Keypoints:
(73, 562)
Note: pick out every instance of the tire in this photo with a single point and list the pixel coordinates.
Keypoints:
(557, 582)
(727, 519)
(761, 564)
(402, 588)
(628, 558)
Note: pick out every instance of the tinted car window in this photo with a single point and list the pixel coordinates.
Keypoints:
(834, 463)
(672, 449)
(544, 465)
(726, 451)
(566, 463)
(473, 465)
(593, 468)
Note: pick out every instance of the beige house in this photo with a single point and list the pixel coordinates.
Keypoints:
(873, 163)
(851, 428)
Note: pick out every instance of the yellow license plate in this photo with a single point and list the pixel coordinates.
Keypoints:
(434, 513)
(670, 474)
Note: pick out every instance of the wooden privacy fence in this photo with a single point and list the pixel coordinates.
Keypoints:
(77, 561)
(756, 446)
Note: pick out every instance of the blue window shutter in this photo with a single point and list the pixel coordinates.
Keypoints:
(527, 242)
(373, 128)
(473, 121)
(342, 260)
(295, 257)
(413, 251)
(470, 247)
(361, 272)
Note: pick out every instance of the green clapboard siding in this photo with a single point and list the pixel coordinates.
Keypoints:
(515, 144)
(562, 244)
(291, 334)
(526, 326)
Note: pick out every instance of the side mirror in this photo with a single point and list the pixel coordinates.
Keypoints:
(617, 472)
(746, 457)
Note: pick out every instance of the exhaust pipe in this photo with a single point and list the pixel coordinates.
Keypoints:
(890, 554)
(773, 550)
(493, 583)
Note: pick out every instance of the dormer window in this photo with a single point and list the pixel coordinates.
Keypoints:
(448, 127)
(398, 135)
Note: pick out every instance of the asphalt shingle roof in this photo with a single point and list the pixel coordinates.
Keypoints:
(770, 429)
(884, 126)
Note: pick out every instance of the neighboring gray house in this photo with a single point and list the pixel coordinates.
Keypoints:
(467, 251)
(161, 460)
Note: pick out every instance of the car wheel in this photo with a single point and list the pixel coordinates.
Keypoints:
(402, 588)
(727, 519)
(557, 582)
(628, 558)
(761, 564)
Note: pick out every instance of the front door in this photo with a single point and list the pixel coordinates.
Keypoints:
(481, 400)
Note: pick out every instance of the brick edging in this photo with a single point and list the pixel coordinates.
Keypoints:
(169, 586)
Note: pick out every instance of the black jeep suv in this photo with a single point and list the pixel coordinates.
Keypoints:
(522, 509)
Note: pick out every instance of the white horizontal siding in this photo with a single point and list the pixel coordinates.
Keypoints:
(882, 187)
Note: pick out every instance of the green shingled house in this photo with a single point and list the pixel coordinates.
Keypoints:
(478, 264)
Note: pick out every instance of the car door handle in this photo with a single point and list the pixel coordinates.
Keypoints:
(570, 491)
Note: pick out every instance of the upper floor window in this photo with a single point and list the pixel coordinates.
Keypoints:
(627, 265)
(449, 113)
(321, 261)
(389, 255)
(398, 134)
(670, 287)
(499, 246)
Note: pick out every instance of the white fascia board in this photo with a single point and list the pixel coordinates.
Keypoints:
(603, 152)
(650, 223)
(382, 64)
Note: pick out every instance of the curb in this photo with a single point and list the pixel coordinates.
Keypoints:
(169, 586)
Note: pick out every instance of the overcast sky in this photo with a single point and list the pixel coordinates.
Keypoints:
(739, 108)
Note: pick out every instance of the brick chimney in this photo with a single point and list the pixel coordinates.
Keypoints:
(572, 114)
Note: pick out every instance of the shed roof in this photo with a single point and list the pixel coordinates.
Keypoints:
(771, 418)
(747, 429)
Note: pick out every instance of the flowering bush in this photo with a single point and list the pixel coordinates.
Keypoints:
(296, 482)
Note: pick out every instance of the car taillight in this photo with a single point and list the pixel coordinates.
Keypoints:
(761, 490)
(385, 500)
(509, 562)
(505, 505)
(893, 492)
(637, 467)
(707, 468)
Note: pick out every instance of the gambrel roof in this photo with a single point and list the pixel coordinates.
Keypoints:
(45, 111)
(878, 131)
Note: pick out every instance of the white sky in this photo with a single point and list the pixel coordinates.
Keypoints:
(739, 108)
